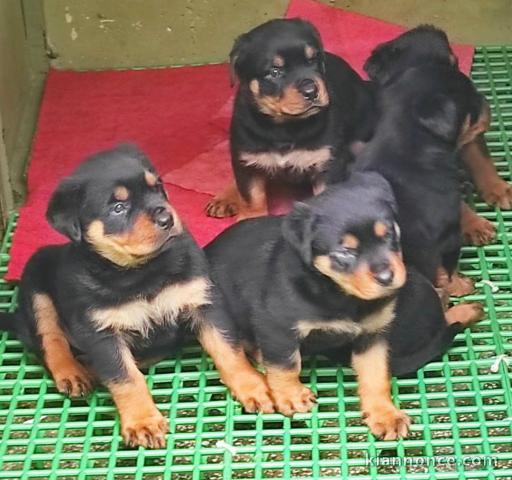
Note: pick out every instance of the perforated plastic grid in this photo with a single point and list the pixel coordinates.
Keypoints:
(462, 408)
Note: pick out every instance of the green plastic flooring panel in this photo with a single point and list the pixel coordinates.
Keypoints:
(461, 406)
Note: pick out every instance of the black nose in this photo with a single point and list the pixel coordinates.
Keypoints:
(308, 89)
(162, 218)
(383, 274)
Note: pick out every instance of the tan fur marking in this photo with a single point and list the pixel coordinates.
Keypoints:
(380, 229)
(298, 160)
(374, 386)
(350, 241)
(134, 247)
(121, 193)
(289, 394)
(291, 103)
(309, 51)
(254, 86)
(141, 315)
(69, 375)
(245, 383)
(257, 205)
(141, 422)
(381, 319)
(361, 283)
(305, 327)
(469, 131)
(151, 179)
(278, 61)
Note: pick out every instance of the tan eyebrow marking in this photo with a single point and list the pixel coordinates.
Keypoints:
(278, 61)
(380, 229)
(121, 193)
(350, 241)
(309, 51)
(150, 178)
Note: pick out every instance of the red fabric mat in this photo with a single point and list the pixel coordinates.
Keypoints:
(178, 116)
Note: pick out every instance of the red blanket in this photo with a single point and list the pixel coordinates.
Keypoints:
(179, 116)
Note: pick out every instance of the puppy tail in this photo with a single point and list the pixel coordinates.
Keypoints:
(9, 322)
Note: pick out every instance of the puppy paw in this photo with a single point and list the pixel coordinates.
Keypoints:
(478, 231)
(145, 431)
(299, 399)
(220, 207)
(465, 313)
(459, 286)
(254, 395)
(73, 380)
(387, 423)
(498, 193)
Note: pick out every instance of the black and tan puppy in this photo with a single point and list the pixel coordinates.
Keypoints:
(333, 265)
(119, 293)
(426, 45)
(297, 110)
(427, 112)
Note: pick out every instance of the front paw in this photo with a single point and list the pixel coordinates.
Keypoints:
(498, 193)
(73, 380)
(220, 207)
(145, 431)
(459, 286)
(254, 395)
(297, 399)
(387, 423)
(478, 231)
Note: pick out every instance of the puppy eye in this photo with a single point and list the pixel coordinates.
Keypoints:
(275, 72)
(119, 207)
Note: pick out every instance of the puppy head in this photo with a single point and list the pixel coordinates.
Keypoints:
(280, 65)
(115, 203)
(421, 45)
(350, 234)
(446, 104)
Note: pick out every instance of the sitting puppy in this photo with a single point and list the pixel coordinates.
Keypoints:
(427, 112)
(428, 45)
(333, 266)
(119, 293)
(297, 110)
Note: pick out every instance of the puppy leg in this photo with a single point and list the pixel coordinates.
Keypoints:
(289, 394)
(494, 190)
(246, 384)
(455, 285)
(475, 229)
(71, 378)
(253, 192)
(142, 424)
(224, 204)
(379, 412)
(464, 313)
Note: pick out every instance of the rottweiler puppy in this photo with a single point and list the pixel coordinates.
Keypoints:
(332, 265)
(426, 113)
(119, 293)
(427, 44)
(297, 111)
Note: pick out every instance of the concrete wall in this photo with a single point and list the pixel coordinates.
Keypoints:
(96, 34)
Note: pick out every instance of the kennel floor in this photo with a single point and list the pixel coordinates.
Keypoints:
(461, 405)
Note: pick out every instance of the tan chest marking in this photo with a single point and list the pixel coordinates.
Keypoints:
(369, 324)
(141, 315)
(297, 160)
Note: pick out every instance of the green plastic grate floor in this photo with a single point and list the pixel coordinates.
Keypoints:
(461, 406)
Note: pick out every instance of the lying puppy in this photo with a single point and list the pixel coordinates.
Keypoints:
(428, 45)
(297, 110)
(427, 112)
(333, 266)
(119, 293)
(422, 330)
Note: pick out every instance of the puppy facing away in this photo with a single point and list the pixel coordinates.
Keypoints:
(297, 111)
(426, 113)
(428, 45)
(333, 267)
(118, 293)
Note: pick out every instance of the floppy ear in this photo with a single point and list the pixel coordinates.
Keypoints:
(378, 65)
(63, 210)
(438, 114)
(235, 56)
(297, 229)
